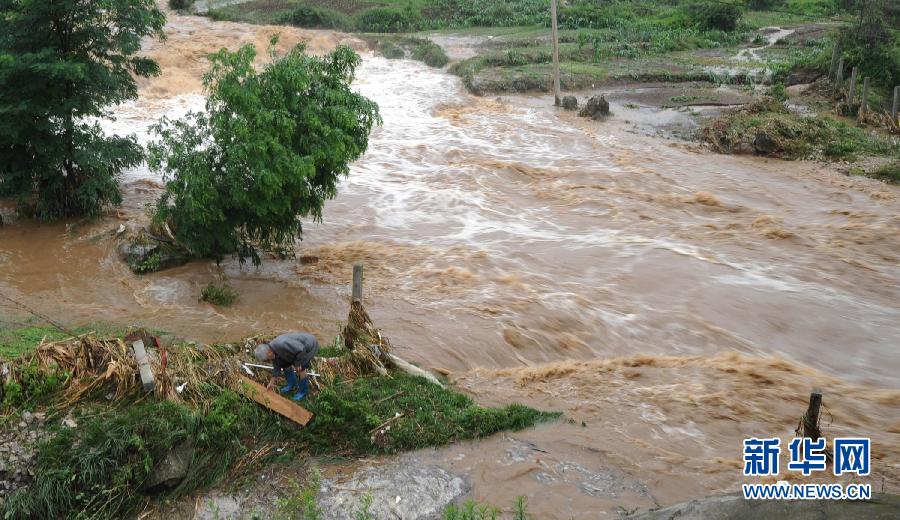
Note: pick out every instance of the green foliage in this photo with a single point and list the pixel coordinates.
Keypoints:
(430, 53)
(223, 295)
(764, 5)
(347, 414)
(714, 14)
(389, 20)
(301, 499)
(270, 149)
(34, 386)
(471, 510)
(180, 4)
(98, 468)
(306, 15)
(889, 172)
(62, 64)
(778, 92)
(18, 340)
(364, 513)
(795, 137)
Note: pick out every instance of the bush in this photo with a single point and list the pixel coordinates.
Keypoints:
(430, 53)
(223, 295)
(269, 150)
(315, 16)
(180, 4)
(389, 20)
(713, 14)
(763, 5)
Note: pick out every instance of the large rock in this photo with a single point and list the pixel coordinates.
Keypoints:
(171, 470)
(146, 254)
(570, 102)
(596, 108)
(881, 507)
(764, 144)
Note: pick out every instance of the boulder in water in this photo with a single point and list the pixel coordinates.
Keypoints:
(597, 107)
(570, 102)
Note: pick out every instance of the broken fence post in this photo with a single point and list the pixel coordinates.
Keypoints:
(835, 51)
(896, 103)
(809, 425)
(852, 92)
(864, 105)
(357, 282)
(839, 76)
(140, 356)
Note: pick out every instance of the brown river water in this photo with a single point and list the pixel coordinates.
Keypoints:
(670, 301)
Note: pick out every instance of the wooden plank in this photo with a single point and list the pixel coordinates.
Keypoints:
(140, 355)
(274, 402)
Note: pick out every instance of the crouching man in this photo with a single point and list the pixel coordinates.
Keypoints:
(292, 354)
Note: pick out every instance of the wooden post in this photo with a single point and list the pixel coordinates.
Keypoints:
(852, 92)
(864, 106)
(839, 76)
(896, 103)
(555, 36)
(140, 356)
(834, 58)
(810, 422)
(357, 282)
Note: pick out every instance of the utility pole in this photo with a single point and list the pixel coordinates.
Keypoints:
(555, 35)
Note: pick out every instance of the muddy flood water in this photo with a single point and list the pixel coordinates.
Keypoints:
(669, 301)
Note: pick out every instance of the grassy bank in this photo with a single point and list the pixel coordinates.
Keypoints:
(767, 127)
(102, 452)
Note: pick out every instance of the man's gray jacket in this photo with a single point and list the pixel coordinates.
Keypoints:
(295, 349)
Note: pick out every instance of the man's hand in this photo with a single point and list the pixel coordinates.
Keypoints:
(271, 386)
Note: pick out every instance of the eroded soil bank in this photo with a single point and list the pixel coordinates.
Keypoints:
(670, 301)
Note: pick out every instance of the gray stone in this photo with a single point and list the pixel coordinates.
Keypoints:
(596, 108)
(219, 506)
(764, 144)
(398, 491)
(570, 102)
(881, 507)
(169, 472)
(147, 254)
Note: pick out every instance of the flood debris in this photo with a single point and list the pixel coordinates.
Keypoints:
(570, 102)
(272, 401)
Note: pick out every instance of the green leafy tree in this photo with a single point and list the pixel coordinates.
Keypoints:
(269, 149)
(62, 64)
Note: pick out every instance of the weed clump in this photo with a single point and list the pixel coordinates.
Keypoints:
(889, 172)
(223, 295)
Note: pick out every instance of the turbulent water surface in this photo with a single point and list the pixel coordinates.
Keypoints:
(669, 300)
